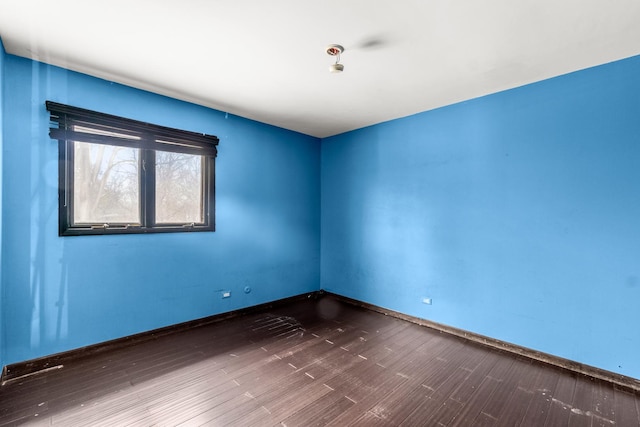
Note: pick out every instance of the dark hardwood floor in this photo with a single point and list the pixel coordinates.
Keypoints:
(315, 362)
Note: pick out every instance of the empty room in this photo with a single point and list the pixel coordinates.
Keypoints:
(298, 213)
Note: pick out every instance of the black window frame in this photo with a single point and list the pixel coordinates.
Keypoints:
(152, 138)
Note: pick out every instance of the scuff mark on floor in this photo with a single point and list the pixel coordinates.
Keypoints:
(579, 411)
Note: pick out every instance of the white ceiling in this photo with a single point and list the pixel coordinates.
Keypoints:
(266, 60)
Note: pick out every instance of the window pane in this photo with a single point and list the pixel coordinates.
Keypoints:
(106, 184)
(178, 188)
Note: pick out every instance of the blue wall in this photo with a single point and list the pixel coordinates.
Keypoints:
(2, 341)
(517, 213)
(63, 293)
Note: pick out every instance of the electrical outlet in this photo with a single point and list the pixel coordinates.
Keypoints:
(426, 301)
(226, 294)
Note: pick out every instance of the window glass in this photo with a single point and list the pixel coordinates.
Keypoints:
(178, 188)
(106, 184)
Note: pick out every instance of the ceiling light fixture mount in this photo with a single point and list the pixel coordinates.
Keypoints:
(335, 50)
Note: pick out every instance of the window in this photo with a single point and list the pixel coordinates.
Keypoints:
(119, 175)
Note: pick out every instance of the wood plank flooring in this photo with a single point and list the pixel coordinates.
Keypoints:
(312, 363)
